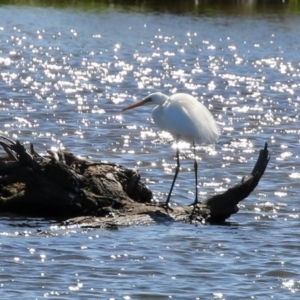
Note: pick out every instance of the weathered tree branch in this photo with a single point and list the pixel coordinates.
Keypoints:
(97, 194)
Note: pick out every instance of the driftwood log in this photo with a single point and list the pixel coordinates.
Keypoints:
(98, 194)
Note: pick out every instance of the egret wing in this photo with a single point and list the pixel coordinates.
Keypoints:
(189, 120)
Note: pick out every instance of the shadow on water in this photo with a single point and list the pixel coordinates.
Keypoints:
(192, 7)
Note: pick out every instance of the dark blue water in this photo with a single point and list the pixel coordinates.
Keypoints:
(64, 78)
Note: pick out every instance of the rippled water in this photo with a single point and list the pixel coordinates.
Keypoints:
(64, 78)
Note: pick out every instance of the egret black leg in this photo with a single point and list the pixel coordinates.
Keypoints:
(196, 187)
(174, 179)
(196, 176)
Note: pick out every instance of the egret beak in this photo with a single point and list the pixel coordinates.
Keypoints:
(140, 103)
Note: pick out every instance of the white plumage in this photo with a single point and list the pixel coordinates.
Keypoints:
(186, 119)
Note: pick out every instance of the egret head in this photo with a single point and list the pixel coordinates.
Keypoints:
(152, 99)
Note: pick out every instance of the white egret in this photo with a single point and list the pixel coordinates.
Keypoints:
(186, 119)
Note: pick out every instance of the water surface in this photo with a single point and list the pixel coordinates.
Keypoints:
(66, 74)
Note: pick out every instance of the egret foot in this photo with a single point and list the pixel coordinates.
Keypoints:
(196, 208)
(166, 206)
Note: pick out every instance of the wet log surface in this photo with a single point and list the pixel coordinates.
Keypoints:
(99, 194)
